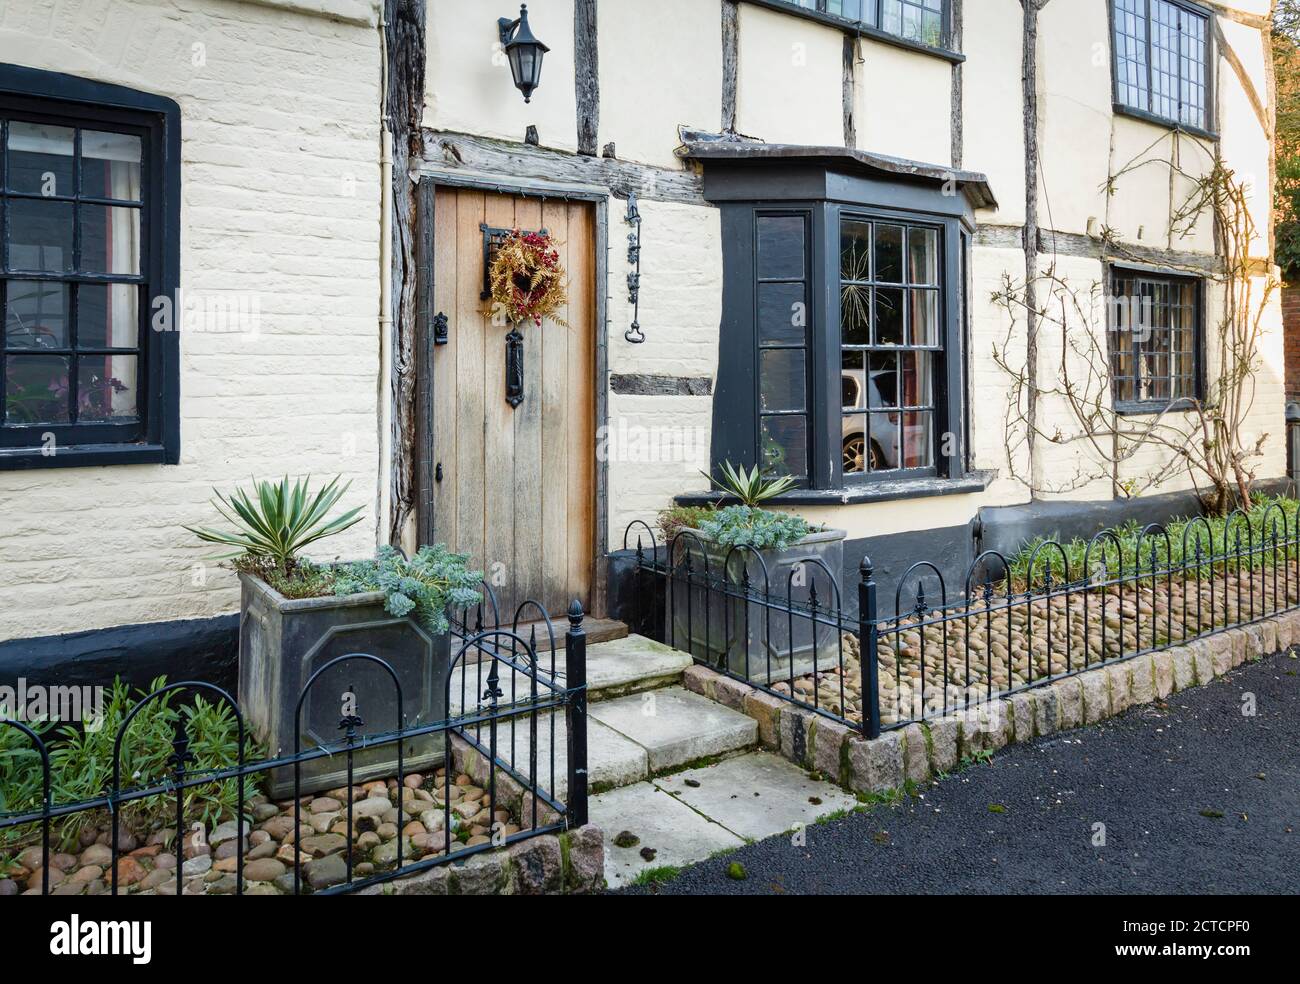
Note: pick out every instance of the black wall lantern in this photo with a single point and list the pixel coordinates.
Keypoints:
(524, 51)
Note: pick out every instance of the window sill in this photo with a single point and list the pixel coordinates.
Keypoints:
(1151, 409)
(1160, 121)
(910, 488)
(862, 30)
(85, 456)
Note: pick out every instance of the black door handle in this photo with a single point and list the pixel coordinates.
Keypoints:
(440, 329)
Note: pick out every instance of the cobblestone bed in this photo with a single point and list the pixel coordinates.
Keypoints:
(972, 654)
(147, 861)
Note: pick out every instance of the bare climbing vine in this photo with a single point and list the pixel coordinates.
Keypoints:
(1204, 436)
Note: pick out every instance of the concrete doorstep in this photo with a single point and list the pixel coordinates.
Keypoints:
(680, 819)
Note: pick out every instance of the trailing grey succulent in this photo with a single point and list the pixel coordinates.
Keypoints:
(746, 526)
(423, 586)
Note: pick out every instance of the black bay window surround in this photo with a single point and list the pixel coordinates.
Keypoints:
(841, 356)
(89, 239)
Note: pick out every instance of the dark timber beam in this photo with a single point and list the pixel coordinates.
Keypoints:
(488, 161)
(586, 75)
(847, 88)
(644, 384)
(730, 62)
(958, 85)
(1029, 241)
(1054, 243)
(404, 39)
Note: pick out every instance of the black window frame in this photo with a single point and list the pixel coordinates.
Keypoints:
(861, 27)
(825, 197)
(1148, 113)
(939, 352)
(154, 437)
(812, 391)
(1133, 407)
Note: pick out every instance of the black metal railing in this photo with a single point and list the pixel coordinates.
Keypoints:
(784, 632)
(503, 695)
(1015, 624)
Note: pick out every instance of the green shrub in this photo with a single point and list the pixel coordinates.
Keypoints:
(745, 526)
(750, 488)
(305, 580)
(424, 586)
(1129, 536)
(20, 767)
(278, 521)
(81, 764)
(673, 521)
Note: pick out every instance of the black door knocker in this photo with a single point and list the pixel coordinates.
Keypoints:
(514, 367)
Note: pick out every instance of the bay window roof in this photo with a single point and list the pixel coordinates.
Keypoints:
(724, 148)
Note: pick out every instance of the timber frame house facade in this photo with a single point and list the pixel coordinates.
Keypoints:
(784, 224)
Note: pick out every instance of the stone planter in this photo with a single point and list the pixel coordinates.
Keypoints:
(747, 638)
(282, 642)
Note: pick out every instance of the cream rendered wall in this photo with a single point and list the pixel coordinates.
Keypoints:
(1066, 466)
(468, 86)
(903, 103)
(992, 326)
(280, 192)
(1264, 399)
(681, 309)
(900, 516)
(993, 127)
(1082, 142)
(649, 89)
(790, 79)
(1245, 141)
(1074, 112)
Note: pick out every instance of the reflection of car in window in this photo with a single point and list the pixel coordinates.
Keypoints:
(879, 450)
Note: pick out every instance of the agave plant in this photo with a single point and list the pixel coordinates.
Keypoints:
(749, 487)
(277, 521)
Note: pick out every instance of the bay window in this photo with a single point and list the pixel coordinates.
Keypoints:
(841, 358)
(892, 343)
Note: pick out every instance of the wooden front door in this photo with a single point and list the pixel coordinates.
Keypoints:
(514, 486)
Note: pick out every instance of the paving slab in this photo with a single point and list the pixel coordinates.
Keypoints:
(675, 727)
(662, 824)
(756, 795)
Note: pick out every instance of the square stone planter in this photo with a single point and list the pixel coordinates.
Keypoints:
(283, 641)
(747, 638)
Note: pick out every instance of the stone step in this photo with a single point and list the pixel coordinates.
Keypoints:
(629, 739)
(612, 759)
(615, 668)
(597, 629)
(676, 727)
(630, 665)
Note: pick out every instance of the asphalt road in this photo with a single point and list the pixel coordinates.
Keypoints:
(1195, 797)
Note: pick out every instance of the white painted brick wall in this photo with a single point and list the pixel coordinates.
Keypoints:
(278, 123)
(681, 311)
